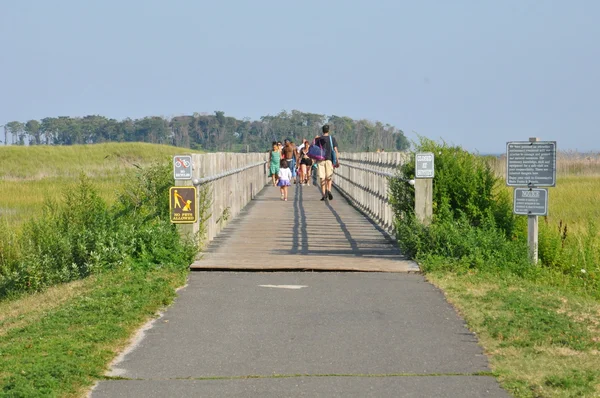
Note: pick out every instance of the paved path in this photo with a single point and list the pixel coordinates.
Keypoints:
(303, 233)
(315, 334)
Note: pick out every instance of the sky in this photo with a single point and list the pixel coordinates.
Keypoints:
(475, 73)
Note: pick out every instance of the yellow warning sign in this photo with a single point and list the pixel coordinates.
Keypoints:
(182, 204)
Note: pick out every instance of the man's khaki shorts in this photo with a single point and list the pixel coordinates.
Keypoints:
(325, 169)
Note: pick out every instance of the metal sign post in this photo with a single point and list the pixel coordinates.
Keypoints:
(531, 164)
(424, 173)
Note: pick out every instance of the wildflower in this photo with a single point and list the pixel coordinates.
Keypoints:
(583, 271)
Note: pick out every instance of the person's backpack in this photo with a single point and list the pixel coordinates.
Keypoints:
(316, 151)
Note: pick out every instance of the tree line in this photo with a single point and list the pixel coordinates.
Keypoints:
(211, 132)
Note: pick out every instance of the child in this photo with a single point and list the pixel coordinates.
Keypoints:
(285, 175)
(274, 159)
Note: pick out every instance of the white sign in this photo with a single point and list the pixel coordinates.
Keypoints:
(424, 165)
(531, 202)
(182, 167)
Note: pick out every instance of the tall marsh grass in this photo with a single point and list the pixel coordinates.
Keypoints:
(569, 236)
(32, 176)
(568, 163)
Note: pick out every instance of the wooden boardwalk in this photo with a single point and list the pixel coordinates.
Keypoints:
(303, 233)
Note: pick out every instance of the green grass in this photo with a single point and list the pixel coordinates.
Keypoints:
(38, 162)
(542, 340)
(574, 200)
(61, 350)
(30, 176)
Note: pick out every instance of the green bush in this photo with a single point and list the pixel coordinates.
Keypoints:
(81, 235)
(472, 226)
(465, 186)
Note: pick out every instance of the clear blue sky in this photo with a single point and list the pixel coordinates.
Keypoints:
(476, 73)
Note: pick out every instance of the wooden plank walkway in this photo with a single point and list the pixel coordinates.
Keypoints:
(303, 233)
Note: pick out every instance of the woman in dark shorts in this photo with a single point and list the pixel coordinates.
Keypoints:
(305, 164)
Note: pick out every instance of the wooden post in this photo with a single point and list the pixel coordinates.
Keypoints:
(424, 199)
(532, 237)
(186, 230)
(532, 227)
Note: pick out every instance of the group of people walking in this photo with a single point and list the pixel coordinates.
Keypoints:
(290, 164)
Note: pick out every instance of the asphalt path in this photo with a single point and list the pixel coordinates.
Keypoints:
(317, 334)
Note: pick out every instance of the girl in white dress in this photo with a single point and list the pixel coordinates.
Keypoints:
(285, 175)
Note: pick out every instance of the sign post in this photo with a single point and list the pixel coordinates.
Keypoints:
(531, 164)
(183, 196)
(424, 173)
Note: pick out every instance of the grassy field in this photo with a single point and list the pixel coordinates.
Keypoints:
(577, 190)
(575, 201)
(29, 176)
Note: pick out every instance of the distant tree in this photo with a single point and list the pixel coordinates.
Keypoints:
(49, 127)
(402, 143)
(180, 127)
(92, 129)
(220, 116)
(16, 129)
(33, 130)
(213, 132)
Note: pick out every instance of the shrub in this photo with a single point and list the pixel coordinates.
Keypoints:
(464, 186)
(472, 226)
(81, 235)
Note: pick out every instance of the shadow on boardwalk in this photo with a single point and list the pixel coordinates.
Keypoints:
(303, 233)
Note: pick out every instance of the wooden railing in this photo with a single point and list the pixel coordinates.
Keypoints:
(363, 178)
(231, 181)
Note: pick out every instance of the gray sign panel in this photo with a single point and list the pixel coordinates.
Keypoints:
(182, 167)
(424, 165)
(531, 164)
(531, 201)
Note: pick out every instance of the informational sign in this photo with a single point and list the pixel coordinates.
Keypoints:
(183, 205)
(531, 164)
(182, 167)
(424, 165)
(531, 201)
